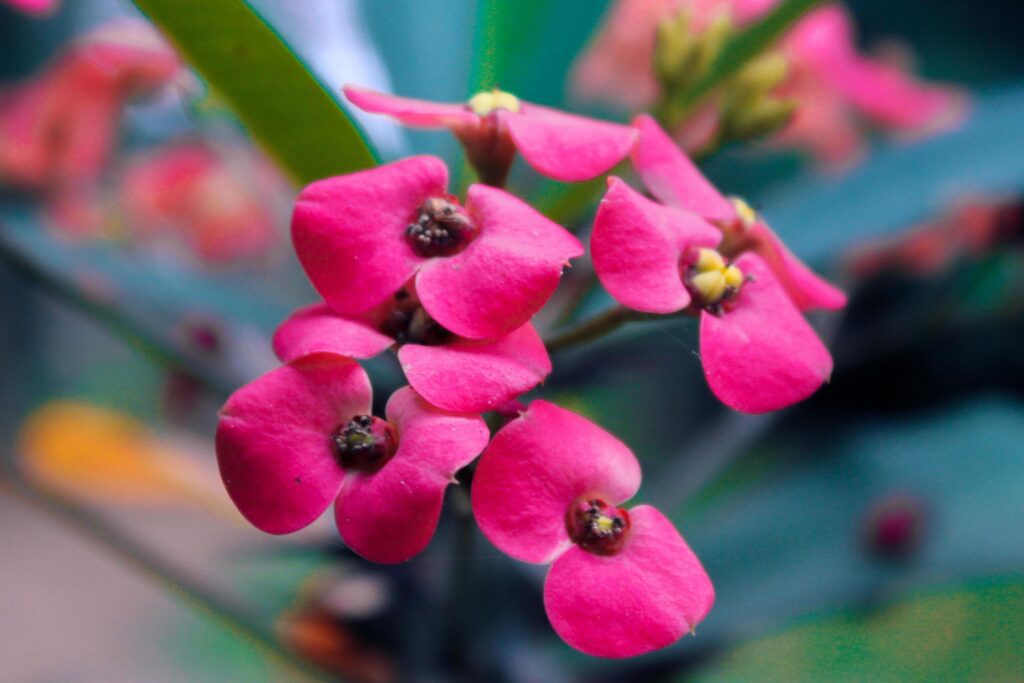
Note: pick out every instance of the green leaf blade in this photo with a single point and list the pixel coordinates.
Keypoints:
(285, 107)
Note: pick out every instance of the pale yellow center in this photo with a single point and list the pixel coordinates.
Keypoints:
(713, 278)
(483, 103)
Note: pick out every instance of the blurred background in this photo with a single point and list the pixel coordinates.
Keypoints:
(871, 533)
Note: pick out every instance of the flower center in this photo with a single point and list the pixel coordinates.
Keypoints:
(596, 526)
(408, 323)
(711, 281)
(365, 443)
(440, 229)
(485, 102)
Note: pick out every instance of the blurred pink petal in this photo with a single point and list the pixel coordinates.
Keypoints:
(215, 201)
(38, 7)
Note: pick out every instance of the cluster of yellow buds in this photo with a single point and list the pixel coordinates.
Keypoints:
(747, 107)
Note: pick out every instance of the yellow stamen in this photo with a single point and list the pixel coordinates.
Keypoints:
(483, 103)
(733, 277)
(708, 260)
(605, 523)
(713, 278)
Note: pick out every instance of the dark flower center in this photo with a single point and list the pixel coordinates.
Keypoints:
(365, 443)
(442, 228)
(596, 526)
(408, 323)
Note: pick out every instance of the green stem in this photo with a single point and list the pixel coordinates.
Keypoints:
(115, 320)
(596, 327)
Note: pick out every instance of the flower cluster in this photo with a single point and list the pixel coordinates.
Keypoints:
(833, 85)
(451, 285)
(58, 129)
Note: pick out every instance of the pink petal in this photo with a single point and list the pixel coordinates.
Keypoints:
(805, 288)
(672, 178)
(645, 598)
(391, 515)
(409, 111)
(636, 246)
(535, 468)
(504, 276)
(349, 231)
(476, 376)
(318, 329)
(895, 99)
(825, 41)
(616, 66)
(567, 147)
(762, 355)
(273, 440)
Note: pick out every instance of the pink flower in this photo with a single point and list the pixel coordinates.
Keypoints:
(823, 43)
(493, 125)
(301, 436)
(623, 582)
(831, 80)
(758, 352)
(59, 129)
(215, 204)
(37, 7)
(674, 180)
(480, 271)
(450, 372)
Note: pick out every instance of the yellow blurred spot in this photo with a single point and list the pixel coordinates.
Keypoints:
(92, 453)
(744, 211)
(483, 103)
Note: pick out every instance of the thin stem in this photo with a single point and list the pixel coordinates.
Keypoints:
(116, 321)
(594, 328)
(150, 565)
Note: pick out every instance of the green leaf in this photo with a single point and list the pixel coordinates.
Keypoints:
(748, 44)
(283, 104)
(973, 632)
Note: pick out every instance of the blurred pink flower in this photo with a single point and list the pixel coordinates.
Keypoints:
(622, 582)
(215, 201)
(480, 271)
(58, 129)
(451, 372)
(493, 125)
(828, 76)
(301, 437)
(758, 352)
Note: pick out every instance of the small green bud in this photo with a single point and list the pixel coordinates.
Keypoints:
(762, 117)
